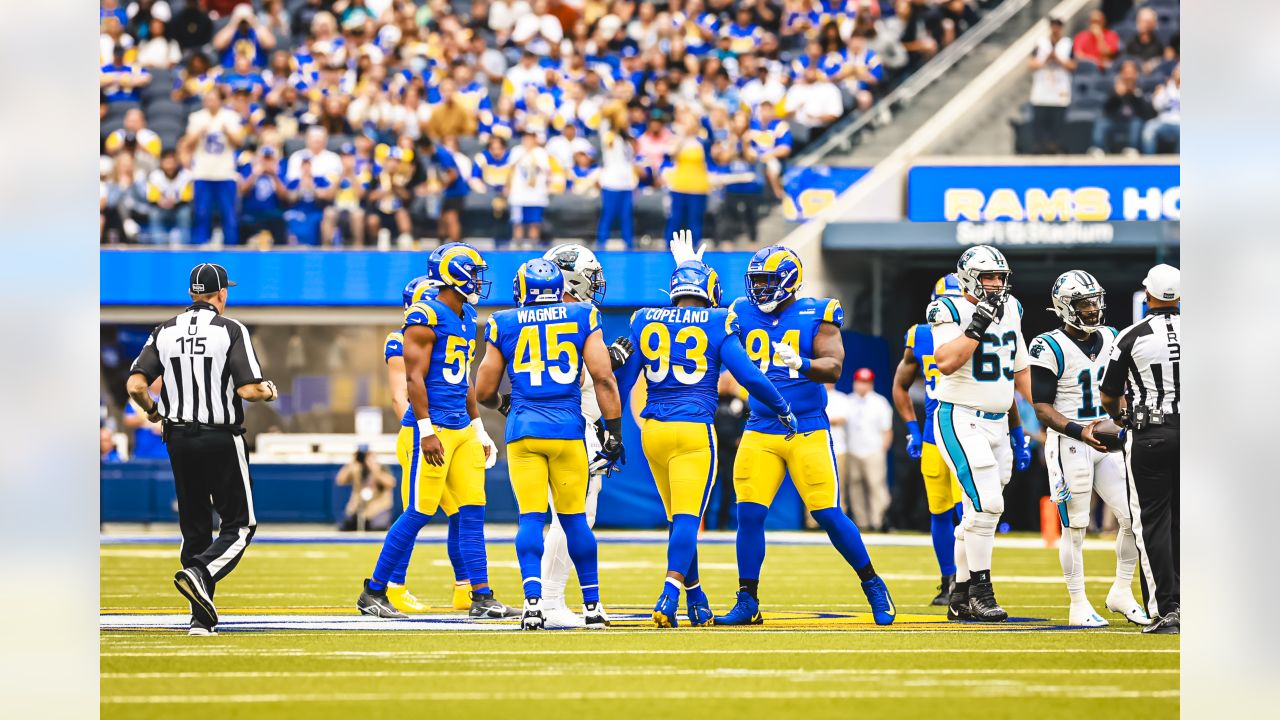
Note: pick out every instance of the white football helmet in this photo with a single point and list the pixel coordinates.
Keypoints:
(1069, 290)
(583, 274)
(981, 260)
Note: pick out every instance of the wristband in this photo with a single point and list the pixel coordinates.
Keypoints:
(478, 425)
(614, 427)
(804, 365)
(425, 430)
(1074, 431)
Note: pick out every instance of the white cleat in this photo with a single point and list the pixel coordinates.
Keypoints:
(1084, 616)
(594, 617)
(1126, 604)
(532, 618)
(558, 617)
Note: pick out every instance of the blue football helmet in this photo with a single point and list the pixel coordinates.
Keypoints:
(459, 266)
(538, 282)
(774, 275)
(694, 278)
(947, 286)
(415, 290)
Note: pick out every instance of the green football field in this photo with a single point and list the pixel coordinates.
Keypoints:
(292, 645)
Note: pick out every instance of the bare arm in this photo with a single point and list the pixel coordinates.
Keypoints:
(828, 354)
(952, 355)
(138, 389)
(399, 385)
(223, 38)
(596, 357)
(418, 343)
(489, 377)
(903, 378)
(346, 476)
(254, 392)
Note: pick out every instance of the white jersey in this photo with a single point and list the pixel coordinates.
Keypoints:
(1079, 375)
(985, 381)
(531, 177)
(215, 156)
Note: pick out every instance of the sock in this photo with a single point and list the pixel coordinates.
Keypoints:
(750, 544)
(672, 588)
(1071, 555)
(454, 545)
(980, 539)
(682, 544)
(582, 550)
(962, 589)
(556, 565)
(942, 527)
(845, 537)
(691, 578)
(961, 558)
(471, 543)
(750, 587)
(1126, 554)
(397, 548)
(529, 551)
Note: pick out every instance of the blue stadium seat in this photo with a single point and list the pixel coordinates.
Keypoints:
(167, 108)
(1085, 68)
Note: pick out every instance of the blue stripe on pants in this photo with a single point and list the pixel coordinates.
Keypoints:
(955, 450)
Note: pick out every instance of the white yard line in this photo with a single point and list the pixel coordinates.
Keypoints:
(727, 673)
(202, 650)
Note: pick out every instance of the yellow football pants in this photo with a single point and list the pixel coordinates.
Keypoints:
(940, 484)
(682, 456)
(460, 481)
(536, 463)
(764, 460)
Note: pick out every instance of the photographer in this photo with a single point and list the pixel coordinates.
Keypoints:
(370, 505)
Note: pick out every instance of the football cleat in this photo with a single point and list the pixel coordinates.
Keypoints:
(1122, 601)
(982, 603)
(191, 583)
(882, 607)
(486, 606)
(664, 613)
(958, 604)
(199, 629)
(745, 612)
(462, 596)
(532, 618)
(558, 616)
(377, 604)
(1084, 616)
(1168, 624)
(403, 600)
(700, 614)
(594, 617)
(944, 589)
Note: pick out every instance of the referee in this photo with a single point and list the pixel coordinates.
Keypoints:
(1144, 368)
(208, 366)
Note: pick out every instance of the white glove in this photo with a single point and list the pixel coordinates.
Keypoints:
(788, 356)
(1061, 492)
(682, 247)
(490, 450)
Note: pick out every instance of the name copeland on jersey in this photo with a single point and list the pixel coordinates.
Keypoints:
(1079, 376)
(985, 381)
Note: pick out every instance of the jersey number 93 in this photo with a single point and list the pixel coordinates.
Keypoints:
(656, 346)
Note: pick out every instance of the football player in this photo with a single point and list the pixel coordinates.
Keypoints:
(979, 349)
(682, 350)
(940, 484)
(393, 354)
(796, 342)
(450, 446)
(1066, 372)
(548, 342)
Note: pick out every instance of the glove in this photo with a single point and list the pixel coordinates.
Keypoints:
(915, 441)
(1021, 449)
(1061, 492)
(504, 403)
(682, 247)
(789, 422)
(490, 450)
(986, 312)
(789, 357)
(612, 455)
(620, 350)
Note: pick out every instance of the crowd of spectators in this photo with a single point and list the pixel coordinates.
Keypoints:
(1122, 81)
(375, 122)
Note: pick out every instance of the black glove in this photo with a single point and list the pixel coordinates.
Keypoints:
(504, 403)
(986, 312)
(620, 350)
(612, 455)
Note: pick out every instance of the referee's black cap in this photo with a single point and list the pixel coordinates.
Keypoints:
(209, 278)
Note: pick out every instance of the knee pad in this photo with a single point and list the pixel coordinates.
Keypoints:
(982, 523)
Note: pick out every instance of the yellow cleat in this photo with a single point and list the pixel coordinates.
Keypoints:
(462, 596)
(403, 600)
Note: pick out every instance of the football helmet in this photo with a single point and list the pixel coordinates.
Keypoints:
(696, 279)
(947, 286)
(774, 275)
(459, 266)
(415, 290)
(538, 282)
(982, 260)
(1072, 289)
(583, 274)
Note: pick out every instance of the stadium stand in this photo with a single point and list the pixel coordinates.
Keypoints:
(446, 89)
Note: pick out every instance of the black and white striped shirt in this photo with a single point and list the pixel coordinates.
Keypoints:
(204, 357)
(1145, 361)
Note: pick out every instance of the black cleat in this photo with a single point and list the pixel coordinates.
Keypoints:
(958, 602)
(982, 603)
(1168, 624)
(487, 607)
(199, 629)
(193, 586)
(375, 603)
(944, 591)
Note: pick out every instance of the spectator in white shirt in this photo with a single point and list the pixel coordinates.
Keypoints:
(838, 406)
(1051, 66)
(813, 104)
(213, 134)
(563, 146)
(1167, 124)
(528, 192)
(869, 436)
(324, 162)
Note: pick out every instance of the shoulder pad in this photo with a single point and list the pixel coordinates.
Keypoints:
(730, 321)
(491, 330)
(942, 311)
(422, 313)
(1114, 332)
(1046, 351)
(635, 315)
(393, 346)
(910, 339)
(593, 317)
(830, 311)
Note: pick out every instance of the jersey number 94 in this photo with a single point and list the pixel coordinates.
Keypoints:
(760, 350)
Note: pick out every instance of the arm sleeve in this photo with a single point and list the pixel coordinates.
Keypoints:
(148, 362)
(1044, 385)
(243, 362)
(735, 359)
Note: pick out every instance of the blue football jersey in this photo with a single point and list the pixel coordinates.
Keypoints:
(920, 340)
(543, 347)
(451, 355)
(679, 353)
(795, 326)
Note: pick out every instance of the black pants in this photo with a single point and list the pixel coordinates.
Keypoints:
(1151, 456)
(211, 472)
(1047, 125)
